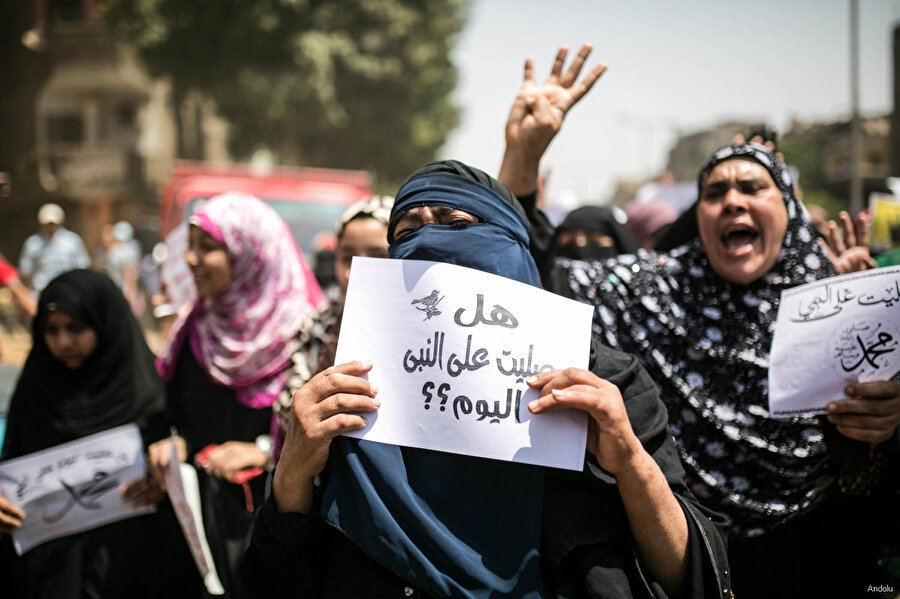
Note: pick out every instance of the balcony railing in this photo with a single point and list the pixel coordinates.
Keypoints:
(83, 171)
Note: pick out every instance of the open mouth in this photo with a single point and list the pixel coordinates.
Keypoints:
(739, 237)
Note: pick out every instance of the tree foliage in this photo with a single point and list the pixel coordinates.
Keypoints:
(354, 84)
(805, 152)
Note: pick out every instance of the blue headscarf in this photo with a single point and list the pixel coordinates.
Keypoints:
(497, 244)
(455, 525)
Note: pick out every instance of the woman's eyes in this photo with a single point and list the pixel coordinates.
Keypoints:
(453, 221)
(72, 329)
(404, 231)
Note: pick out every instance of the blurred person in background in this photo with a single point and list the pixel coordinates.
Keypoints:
(51, 251)
(123, 264)
(227, 360)
(23, 297)
(647, 221)
(361, 231)
(818, 217)
(594, 232)
(23, 301)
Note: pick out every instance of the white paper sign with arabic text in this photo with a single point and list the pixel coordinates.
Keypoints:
(75, 486)
(831, 333)
(452, 347)
(184, 493)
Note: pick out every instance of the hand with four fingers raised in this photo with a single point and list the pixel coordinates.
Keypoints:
(847, 245)
(537, 115)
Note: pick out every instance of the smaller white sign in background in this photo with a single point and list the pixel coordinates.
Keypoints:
(184, 493)
(75, 486)
(452, 347)
(830, 333)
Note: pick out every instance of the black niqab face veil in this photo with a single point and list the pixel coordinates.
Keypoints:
(117, 384)
(594, 219)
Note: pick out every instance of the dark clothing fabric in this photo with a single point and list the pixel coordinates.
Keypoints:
(542, 236)
(586, 547)
(837, 550)
(205, 413)
(53, 404)
(116, 560)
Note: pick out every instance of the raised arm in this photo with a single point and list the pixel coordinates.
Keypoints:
(537, 114)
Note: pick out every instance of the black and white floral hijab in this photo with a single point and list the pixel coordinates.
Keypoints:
(705, 342)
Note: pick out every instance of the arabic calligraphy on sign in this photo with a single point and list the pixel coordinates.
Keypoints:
(499, 316)
(865, 348)
(832, 299)
(462, 404)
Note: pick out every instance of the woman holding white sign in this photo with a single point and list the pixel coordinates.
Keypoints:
(807, 497)
(89, 370)
(424, 523)
(227, 361)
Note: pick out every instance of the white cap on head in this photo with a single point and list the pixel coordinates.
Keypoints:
(51, 213)
(123, 231)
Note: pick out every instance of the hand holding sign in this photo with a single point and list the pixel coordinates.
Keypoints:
(158, 455)
(10, 516)
(610, 437)
(143, 491)
(327, 406)
(871, 414)
(832, 333)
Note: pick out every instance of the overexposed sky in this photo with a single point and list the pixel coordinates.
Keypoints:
(674, 66)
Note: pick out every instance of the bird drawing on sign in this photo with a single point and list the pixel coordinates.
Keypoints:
(429, 304)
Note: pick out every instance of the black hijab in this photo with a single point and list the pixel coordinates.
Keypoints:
(117, 384)
(595, 219)
(705, 342)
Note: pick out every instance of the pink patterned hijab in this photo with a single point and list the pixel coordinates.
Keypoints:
(244, 337)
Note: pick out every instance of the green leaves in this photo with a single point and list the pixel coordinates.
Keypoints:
(355, 84)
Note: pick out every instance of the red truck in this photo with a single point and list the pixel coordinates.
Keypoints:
(310, 200)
